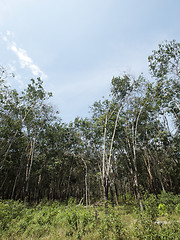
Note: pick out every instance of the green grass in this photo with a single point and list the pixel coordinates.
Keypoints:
(58, 221)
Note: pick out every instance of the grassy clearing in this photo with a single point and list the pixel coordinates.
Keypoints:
(57, 221)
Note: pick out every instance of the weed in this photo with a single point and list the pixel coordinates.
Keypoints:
(53, 220)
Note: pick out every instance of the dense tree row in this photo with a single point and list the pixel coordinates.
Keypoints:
(129, 144)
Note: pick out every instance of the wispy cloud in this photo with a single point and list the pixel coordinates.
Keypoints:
(24, 59)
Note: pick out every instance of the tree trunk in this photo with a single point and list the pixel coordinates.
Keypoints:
(29, 165)
(85, 181)
(134, 142)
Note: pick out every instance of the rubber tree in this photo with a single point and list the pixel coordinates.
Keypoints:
(108, 115)
(164, 65)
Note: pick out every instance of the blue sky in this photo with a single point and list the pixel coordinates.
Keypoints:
(77, 46)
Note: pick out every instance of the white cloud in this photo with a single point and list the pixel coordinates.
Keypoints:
(24, 59)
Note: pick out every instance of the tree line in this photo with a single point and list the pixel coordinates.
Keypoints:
(129, 144)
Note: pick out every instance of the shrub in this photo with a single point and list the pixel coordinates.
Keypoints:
(162, 209)
(147, 226)
(9, 210)
(169, 200)
(177, 209)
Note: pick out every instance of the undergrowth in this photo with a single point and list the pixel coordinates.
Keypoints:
(53, 220)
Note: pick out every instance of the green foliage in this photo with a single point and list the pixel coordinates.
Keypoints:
(145, 226)
(147, 229)
(162, 209)
(150, 207)
(148, 226)
(165, 60)
(111, 226)
(79, 222)
(30, 221)
(177, 209)
(170, 230)
(73, 220)
(106, 225)
(168, 202)
(9, 210)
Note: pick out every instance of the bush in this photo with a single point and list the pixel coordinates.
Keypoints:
(177, 209)
(162, 209)
(147, 226)
(169, 231)
(9, 210)
(79, 221)
(147, 229)
(33, 222)
(169, 200)
(111, 227)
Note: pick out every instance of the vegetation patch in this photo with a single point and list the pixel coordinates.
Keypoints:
(58, 221)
